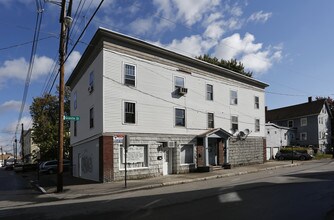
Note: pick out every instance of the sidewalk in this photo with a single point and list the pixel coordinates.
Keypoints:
(76, 187)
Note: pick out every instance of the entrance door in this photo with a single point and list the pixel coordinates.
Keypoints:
(268, 151)
(212, 147)
(166, 162)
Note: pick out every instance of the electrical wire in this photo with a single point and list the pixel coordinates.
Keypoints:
(77, 41)
(38, 23)
(25, 43)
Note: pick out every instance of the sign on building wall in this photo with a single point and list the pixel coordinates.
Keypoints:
(136, 154)
(119, 139)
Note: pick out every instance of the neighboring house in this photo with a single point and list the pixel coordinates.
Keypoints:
(176, 110)
(276, 137)
(3, 157)
(30, 150)
(311, 121)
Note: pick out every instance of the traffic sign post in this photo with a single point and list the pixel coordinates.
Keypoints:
(71, 118)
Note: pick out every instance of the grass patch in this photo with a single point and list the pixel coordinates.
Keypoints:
(320, 156)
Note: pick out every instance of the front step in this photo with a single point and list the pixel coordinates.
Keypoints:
(216, 168)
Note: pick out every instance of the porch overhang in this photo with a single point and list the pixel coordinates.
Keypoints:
(216, 133)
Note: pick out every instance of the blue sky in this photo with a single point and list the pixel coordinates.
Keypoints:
(287, 44)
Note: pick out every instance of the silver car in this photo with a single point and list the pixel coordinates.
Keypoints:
(51, 166)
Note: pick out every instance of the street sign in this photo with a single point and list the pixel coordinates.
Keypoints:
(71, 118)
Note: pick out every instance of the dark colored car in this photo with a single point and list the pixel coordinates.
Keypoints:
(51, 166)
(296, 156)
(9, 164)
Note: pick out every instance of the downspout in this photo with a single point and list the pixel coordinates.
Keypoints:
(227, 164)
(206, 151)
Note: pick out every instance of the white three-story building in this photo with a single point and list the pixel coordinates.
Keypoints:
(179, 113)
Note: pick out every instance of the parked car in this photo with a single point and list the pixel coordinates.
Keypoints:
(9, 164)
(51, 166)
(296, 155)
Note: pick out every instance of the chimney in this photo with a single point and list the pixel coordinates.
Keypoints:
(310, 99)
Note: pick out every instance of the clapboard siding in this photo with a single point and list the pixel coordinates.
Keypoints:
(155, 103)
(85, 101)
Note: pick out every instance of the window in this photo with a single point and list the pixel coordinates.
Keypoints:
(91, 118)
(187, 154)
(211, 123)
(321, 120)
(257, 125)
(303, 121)
(233, 97)
(320, 135)
(290, 123)
(129, 75)
(180, 119)
(75, 104)
(303, 136)
(256, 102)
(129, 112)
(209, 92)
(91, 82)
(178, 82)
(75, 128)
(234, 123)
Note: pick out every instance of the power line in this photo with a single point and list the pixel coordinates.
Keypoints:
(78, 40)
(31, 63)
(25, 43)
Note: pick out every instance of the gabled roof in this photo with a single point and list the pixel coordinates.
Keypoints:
(278, 127)
(218, 131)
(296, 111)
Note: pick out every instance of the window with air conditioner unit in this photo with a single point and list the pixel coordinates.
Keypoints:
(233, 97)
(179, 85)
(171, 144)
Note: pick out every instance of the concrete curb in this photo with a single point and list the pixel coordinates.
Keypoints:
(38, 187)
(170, 183)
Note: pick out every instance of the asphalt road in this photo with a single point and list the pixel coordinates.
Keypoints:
(303, 192)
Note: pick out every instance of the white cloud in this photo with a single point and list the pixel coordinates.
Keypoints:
(186, 11)
(236, 11)
(260, 17)
(212, 18)
(11, 127)
(258, 62)
(142, 25)
(192, 46)
(18, 68)
(72, 62)
(214, 30)
(11, 105)
(251, 54)
(233, 46)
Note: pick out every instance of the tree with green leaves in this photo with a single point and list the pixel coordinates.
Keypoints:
(45, 115)
(232, 64)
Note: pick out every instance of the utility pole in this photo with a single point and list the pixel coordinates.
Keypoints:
(2, 160)
(61, 97)
(15, 153)
(22, 143)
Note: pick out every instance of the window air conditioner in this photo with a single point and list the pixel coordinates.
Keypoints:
(171, 144)
(90, 89)
(183, 91)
